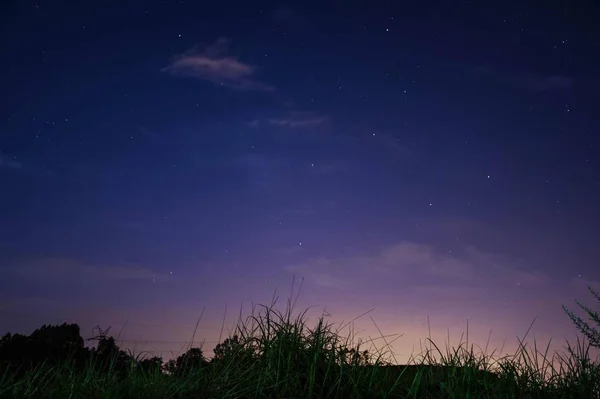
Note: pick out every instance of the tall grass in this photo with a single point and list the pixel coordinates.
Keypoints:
(275, 354)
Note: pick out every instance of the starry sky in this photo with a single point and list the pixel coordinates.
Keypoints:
(163, 160)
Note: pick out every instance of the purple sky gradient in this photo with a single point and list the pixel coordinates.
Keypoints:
(422, 161)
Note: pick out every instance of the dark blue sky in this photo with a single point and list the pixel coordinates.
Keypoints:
(437, 159)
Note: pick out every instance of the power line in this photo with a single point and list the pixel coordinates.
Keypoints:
(149, 341)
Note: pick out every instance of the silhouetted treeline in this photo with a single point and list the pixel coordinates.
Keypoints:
(62, 345)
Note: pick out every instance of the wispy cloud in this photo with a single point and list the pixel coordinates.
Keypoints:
(212, 64)
(580, 286)
(292, 120)
(414, 264)
(532, 82)
(394, 143)
(66, 269)
(300, 211)
(265, 169)
(327, 168)
(25, 166)
(299, 120)
(262, 170)
(41, 304)
(320, 271)
(282, 14)
(550, 83)
(145, 131)
(291, 19)
(9, 162)
(254, 123)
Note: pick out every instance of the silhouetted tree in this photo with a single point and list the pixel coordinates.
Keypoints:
(108, 356)
(590, 332)
(14, 352)
(63, 345)
(49, 344)
(232, 349)
(191, 360)
(151, 365)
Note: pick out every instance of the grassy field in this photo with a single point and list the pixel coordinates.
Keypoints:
(274, 354)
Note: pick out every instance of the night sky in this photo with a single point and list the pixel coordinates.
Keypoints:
(438, 159)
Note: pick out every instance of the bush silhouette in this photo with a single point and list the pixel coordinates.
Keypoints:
(48, 345)
(109, 357)
(592, 334)
(151, 365)
(233, 349)
(190, 361)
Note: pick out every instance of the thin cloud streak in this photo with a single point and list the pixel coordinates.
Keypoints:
(550, 83)
(295, 122)
(536, 83)
(262, 170)
(292, 120)
(415, 263)
(28, 167)
(299, 119)
(61, 269)
(253, 124)
(214, 66)
(328, 168)
(9, 162)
